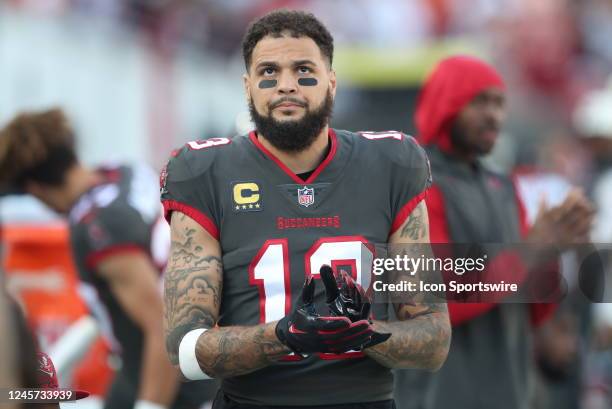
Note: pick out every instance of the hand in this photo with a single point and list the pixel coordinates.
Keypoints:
(305, 331)
(346, 298)
(563, 225)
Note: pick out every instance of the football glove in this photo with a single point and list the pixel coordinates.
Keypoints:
(305, 331)
(346, 298)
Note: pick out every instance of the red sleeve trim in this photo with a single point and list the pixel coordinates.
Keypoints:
(93, 259)
(195, 214)
(406, 210)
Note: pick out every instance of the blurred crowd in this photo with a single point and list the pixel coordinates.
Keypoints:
(567, 49)
(555, 56)
(552, 53)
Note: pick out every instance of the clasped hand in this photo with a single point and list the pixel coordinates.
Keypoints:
(346, 327)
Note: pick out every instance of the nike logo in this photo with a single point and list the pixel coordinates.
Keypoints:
(294, 330)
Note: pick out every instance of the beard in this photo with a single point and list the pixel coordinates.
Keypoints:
(293, 135)
(459, 139)
(462, 142)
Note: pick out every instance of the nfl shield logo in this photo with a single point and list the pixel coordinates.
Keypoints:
(306, 196)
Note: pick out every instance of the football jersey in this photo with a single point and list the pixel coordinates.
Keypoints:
(123, 214)
(275, 229)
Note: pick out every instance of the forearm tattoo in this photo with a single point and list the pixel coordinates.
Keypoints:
(419, 342)
(421, 337)
(233, 351)
(192, 287)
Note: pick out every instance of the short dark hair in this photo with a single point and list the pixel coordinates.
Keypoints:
(295, 23)
(38, 147)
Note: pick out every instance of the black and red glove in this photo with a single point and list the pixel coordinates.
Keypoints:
(305, 331)
(346, 298)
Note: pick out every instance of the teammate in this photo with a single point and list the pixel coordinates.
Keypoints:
(459, 114)
(253, 216)
(112, 214)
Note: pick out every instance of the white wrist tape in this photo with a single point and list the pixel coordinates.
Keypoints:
(188, 361)
(145, 404)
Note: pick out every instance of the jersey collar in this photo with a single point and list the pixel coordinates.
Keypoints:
(330, 155)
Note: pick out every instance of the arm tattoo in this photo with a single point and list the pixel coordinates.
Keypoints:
(193, 284)
(192, 288)
(232, 351)
(421, 337)
(415, 228)
(420, 342)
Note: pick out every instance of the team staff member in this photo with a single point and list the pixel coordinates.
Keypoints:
(111, 212)
(252, 216)
(459, 114)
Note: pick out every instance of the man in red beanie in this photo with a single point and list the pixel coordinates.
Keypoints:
(459, 114)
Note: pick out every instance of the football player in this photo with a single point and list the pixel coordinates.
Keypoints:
(254, 218)
(112, 213)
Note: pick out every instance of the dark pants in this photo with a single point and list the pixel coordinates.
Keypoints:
(121, 394)
(223, 402)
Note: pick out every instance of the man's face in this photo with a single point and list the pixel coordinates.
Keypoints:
(477, 126)
(290, 89)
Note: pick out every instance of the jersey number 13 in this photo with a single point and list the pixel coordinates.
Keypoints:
(269, 271)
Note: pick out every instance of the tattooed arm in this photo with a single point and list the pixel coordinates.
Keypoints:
(421, 337)
(192, 297)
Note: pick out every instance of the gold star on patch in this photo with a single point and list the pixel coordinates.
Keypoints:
(244, 207)
(237, 207)
(250, 206)
(257, 205)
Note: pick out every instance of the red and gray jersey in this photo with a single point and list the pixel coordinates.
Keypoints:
(116, 216)
(120, 215)
(275, 229)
